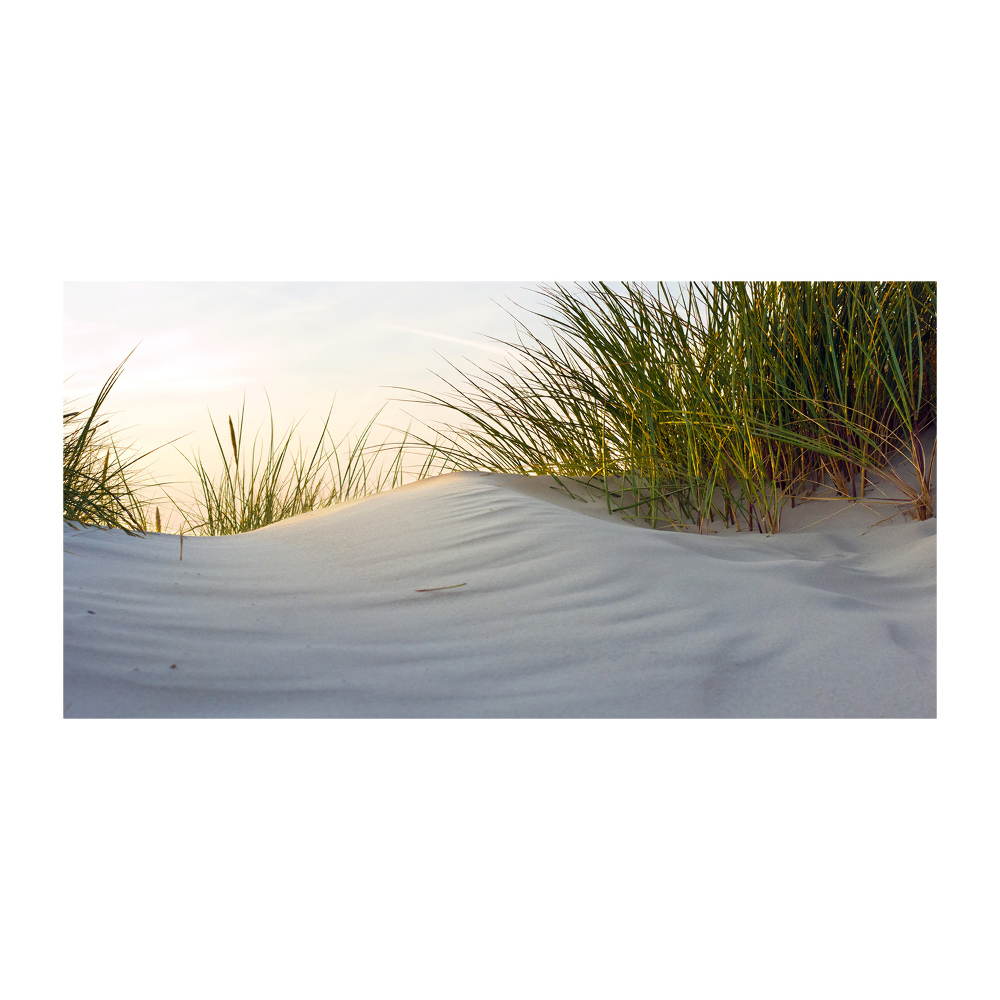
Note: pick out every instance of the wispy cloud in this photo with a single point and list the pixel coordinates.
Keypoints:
(455, 340)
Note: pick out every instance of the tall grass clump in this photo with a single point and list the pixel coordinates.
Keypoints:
(728, 399)
(101, 482)
(259, 486)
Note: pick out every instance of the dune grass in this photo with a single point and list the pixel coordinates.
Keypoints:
(728, 400)
(104, 486)
(101, 482)
(254, 489)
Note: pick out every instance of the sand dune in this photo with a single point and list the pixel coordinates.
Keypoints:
(564, 611)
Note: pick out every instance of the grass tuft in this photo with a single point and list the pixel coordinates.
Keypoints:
(728, 400)
(100, 482)
(102, 488)
(274, 483)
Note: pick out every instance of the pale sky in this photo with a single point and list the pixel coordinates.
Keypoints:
(204, 346)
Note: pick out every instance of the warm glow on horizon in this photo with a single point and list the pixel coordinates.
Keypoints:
(203, 351)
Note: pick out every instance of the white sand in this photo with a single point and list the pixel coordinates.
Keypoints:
(565, 612)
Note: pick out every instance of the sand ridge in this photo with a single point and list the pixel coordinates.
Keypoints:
(561, 615)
